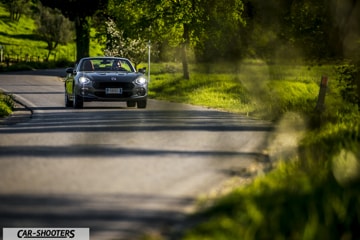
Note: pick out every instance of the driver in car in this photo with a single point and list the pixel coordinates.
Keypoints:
(118, 67)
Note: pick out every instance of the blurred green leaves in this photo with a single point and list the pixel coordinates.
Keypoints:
(6, 104)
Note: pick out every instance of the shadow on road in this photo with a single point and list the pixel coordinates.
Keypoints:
(105, 215)
(105, 151)
(112, 214)
(135, 121)
(59, 72)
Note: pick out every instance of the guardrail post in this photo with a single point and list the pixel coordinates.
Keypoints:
(320, 106)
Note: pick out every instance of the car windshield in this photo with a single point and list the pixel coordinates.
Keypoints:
(106, 64)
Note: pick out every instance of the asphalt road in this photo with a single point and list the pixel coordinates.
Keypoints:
(119, 171)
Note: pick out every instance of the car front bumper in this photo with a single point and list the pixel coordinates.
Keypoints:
(92, 94)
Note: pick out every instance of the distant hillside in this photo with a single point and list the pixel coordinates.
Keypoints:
(19, 42)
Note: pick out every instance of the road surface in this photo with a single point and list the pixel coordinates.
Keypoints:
(119, 171)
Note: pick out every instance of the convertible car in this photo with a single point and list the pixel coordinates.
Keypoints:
(105, 79)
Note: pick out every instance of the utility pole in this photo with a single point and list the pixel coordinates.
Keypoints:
(149, 53)
(1, 53)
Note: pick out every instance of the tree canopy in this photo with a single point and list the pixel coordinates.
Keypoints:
(315, 29)
(81, 12)
(53, 28)
(205, 30)
(17, 8)
(120, 46)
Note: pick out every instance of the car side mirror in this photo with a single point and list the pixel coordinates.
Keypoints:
(70, 70)
(142, 70)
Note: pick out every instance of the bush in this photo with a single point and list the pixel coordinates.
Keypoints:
(5, 110)
(6, 105)
(348, 80)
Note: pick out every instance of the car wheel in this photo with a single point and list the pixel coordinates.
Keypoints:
(130, 103)
(141, 104)
(77, 101)
(68, 103)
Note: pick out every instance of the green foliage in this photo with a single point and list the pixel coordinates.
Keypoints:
(82, 19)
(286, 204)
(304, 29)
(6, 105)
(288, 96)
(17, 8)
(308, 23)
(120, 46)
(8, 100)
(20, 43)
(221, 20)
(265, 91)
(70, 8)
(272, 30)
(5, 110)
(348, 79)
(313, 195)
(322, 144)
(53, 28)
(222, 91)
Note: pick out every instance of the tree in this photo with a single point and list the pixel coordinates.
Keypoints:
(318, 29)
(222, 35)
(344, 30)
(206, 26)
(118, 45)
(183, 15)
(157, 20)
(307, 26)
(53, 28)
(264, 33)
(17, 8)
(81, 12)
(175, 22)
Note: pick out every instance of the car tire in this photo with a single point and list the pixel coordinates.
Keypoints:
(130, 103)
(68, 103)
(78, 102)
(141, 104)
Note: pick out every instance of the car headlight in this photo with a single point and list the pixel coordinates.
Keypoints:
(141, 80)
(84, 80)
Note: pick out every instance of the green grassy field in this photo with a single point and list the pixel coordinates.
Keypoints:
(252, 89)
(19, 41)
(310, 194)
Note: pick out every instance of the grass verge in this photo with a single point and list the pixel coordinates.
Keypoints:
(311, 193)
(6, 105)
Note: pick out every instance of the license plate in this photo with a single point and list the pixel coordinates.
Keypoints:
(113, 90)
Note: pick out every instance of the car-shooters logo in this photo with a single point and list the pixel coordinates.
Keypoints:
(46, 233)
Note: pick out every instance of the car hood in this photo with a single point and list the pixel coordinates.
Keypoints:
(109, 76)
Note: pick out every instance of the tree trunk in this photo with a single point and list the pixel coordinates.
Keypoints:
(48, 55)
(343, 25)
(82, 27)
(186, 41)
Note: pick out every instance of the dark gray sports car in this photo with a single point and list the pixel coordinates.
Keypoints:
(105, 79)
